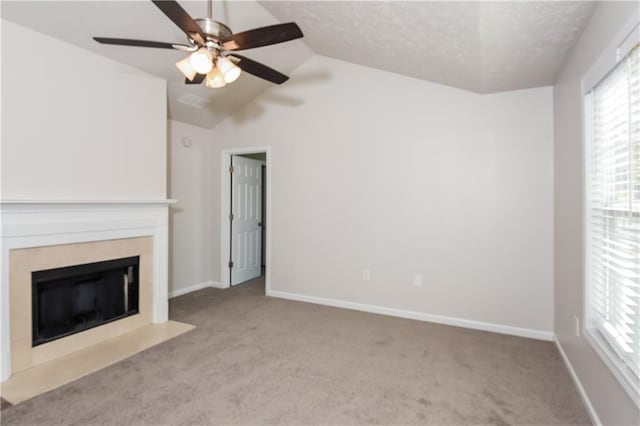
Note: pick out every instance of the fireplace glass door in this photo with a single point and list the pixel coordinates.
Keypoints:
(75, 298)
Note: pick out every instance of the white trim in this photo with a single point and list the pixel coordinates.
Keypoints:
(613, 362)
(586, 102)
(89, 202)
(420, 316)
(225, 208)
(613, 53)
(626, 38)
(583, 394)
(194, 287)
(25, 224)
(627, 45)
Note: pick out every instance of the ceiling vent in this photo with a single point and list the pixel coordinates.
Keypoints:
(192, 100)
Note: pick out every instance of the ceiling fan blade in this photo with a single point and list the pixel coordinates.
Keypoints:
(140, 43)
(181, 18)
(264, 36)
(259, 70)
(199, 78)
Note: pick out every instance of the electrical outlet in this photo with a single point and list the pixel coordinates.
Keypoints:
(366, 274)
(577, 320)
(417, 280)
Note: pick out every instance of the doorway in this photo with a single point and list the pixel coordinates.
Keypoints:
(245, 216)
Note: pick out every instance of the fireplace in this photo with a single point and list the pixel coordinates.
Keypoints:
(71, 299)
(47, 235)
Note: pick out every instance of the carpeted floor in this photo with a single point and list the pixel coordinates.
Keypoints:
(257, 360)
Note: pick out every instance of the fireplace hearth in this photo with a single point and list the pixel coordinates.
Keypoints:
(75, 298)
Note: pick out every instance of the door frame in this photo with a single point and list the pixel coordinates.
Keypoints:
(225, 208)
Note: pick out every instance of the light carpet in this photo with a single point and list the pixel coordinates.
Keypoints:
(259, 360)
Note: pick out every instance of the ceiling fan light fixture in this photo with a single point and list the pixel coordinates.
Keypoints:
(201, 60)
(186, 68)
(210, 42)
(214, 79)
(229, 70)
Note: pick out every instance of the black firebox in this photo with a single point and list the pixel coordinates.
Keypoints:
(75, 298)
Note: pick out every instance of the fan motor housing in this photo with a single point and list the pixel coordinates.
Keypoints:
(214, 29)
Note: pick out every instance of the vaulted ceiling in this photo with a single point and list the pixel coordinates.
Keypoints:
(479, 46)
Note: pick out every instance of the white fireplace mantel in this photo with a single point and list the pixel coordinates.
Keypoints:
(38, 223)
(10, 202)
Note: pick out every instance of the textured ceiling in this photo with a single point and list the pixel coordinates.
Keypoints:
(77, 21)
(480, 46)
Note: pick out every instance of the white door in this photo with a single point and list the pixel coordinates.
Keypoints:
(246, 217)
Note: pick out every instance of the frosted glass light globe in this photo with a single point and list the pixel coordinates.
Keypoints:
(229, 70)
(215, 79)
(201, 60)
(186, 68)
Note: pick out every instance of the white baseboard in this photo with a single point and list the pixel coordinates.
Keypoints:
(583, 395)
(216, 284)
(439, 319)
(195, 287)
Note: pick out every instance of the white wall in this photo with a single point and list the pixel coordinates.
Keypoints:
(380, 171)
(610, 401)
(76, 125)
(194, 182)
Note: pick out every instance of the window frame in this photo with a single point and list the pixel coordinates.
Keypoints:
(627, 38)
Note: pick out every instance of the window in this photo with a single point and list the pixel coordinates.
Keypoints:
(613, 216)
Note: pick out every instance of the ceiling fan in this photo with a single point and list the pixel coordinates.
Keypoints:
(212, 46)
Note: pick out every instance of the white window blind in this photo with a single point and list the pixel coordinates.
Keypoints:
(613, 213)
